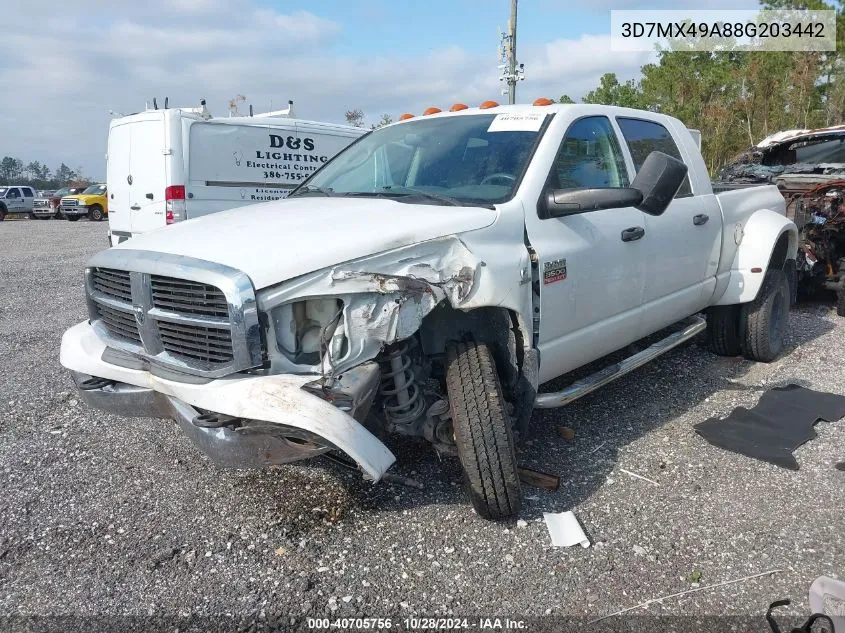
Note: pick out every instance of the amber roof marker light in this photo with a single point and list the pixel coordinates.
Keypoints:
(406, 116)
(431, 110)
(457, 107)
(543, 101)
(488, 104)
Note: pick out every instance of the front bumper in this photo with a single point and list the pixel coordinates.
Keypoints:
(261, 420)
(72, 211)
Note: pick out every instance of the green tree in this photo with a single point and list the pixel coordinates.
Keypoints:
(385, 119)
(355, 117)
(11, 170)
(565, 99)
(611, 92)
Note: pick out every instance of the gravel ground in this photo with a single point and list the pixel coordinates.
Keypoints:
(106, 516)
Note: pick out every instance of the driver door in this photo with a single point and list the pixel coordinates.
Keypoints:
(591, 264)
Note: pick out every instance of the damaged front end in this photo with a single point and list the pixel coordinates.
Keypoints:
(326, 362)
(808, 166)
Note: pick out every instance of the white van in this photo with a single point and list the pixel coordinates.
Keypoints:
(172, 164)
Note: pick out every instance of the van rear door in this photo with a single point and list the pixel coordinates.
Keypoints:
(147, 169)
(117, 172)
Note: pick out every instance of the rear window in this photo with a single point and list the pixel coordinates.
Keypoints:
(644, 137)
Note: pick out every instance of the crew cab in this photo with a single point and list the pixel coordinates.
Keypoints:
(46, 205)
(16, 200)
(427, 282)
(91, 203)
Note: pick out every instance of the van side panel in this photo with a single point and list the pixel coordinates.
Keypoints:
(234, 165)
(117, 172)
(148, 171)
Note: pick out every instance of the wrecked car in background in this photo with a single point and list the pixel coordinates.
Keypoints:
(808, 166)
(426, 281)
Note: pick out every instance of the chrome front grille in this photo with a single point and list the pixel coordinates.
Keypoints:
(189, 297)
(69, 202)
(201, 320)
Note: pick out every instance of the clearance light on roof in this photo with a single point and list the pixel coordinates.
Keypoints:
(458, 107)
(431, 110)
(543, 101)
(488, 104)
(406, 116)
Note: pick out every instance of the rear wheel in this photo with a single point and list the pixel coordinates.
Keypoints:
(766, 319)
(723, 336)
(2, 213)
(96, 213)
(482, 430)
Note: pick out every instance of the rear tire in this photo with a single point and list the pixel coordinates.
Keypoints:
(766, 319)
(723, 337)
(2, 213)
(96, 213)
(483, 431)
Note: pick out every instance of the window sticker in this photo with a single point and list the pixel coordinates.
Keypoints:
(517, 122)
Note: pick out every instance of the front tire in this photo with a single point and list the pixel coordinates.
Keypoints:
(72, 218)
(766, 319)
(96, 213)
(483, 431)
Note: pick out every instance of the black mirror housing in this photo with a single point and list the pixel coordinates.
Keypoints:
(653, 189)
(658, 180)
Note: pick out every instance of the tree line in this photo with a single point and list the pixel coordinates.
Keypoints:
(737, 98)
(35, 174)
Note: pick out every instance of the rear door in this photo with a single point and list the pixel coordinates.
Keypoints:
(117, 180)
(683, 243)
(148, 175)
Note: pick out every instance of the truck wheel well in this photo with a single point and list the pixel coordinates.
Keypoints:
(779, 252)
(501, 329)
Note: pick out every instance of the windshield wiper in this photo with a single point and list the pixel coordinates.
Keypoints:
(428, 194)
(313, 189)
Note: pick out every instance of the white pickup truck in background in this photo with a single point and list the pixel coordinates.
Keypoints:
(426, 282)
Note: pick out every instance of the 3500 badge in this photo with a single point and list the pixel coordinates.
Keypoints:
(554, 270)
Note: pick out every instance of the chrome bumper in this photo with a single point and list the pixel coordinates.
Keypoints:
(241, 444)
(241, 421)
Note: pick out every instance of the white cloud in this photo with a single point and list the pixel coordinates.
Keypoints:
(215, 49)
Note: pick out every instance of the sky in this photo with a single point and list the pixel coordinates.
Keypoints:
(65, 65)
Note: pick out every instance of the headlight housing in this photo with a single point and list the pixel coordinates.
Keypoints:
(309, 328)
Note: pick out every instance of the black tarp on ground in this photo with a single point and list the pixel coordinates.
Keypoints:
(781, 421)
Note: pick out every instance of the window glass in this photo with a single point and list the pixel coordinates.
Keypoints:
(14, 193)
(95, 190)
(589, 157)
(644, 137)
(28, 192)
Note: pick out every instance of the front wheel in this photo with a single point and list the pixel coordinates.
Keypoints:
(482, 430)
(96, 213)
(72, 218)
(766, 319)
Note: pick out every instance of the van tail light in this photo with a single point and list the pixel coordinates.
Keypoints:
(174, 203)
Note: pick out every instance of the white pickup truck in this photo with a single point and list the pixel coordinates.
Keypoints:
(426, 282)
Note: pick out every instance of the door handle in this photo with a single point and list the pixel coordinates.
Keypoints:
(135, 207)
(633, 234)
(700, 219)
(149, 196)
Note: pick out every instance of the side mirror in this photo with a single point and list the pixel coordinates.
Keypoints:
(653, 189)
(659, 179)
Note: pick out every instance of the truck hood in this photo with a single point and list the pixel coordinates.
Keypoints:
(276, 241)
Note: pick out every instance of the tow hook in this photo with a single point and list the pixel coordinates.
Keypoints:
(215, 421)
(94, 383)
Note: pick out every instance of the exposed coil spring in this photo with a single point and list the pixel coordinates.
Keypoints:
(403, 402)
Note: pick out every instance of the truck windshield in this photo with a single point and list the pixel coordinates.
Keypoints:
(95, 190)
(455, 160)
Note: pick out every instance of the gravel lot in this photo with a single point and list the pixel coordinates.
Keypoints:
(107, 516)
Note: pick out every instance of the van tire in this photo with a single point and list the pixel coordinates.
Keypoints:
(723, 337)
(766, 319)
(482, 430)
(96, 213)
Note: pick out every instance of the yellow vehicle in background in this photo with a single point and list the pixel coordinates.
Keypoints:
(92, 203)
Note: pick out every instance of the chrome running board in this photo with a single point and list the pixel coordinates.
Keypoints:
(694, 326)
